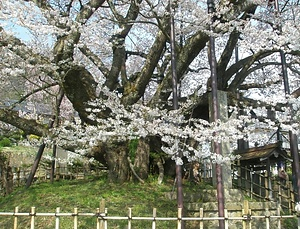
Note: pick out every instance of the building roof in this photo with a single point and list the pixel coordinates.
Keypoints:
(259, 155)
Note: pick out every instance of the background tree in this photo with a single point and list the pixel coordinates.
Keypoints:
(111, 59)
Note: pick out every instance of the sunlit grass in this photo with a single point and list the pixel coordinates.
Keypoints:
(86, 195)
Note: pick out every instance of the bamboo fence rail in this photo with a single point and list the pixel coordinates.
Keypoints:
(102, 219)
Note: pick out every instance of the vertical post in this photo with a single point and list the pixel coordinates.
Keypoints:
(245, 213)
(267, 215)
(251, 182)
(226, 219)
(279, 218)
(245, 218)
(175, 102)
(279, 194)
(35, 165)
(105, 220)
(296, 170)
(18, 176)
(239, 171)
(179, 218)
(98, 218)
(216, 116)
(57, 218)
(269, 179)
(291, 197)
(52, 172)
(101, 212)
(75, 214)
(201, 215)
(129, 218)
(250, 222)
(32, 216)
(16, 218)
(154, 221)
(292, 136)
(266, 185)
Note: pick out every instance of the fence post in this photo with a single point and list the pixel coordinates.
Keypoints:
(201, 215)
(279, 218)
(179, 218)
(250, 221)
(75, 214)
(32, 216)
(154, 216)
(251, 183)
(16, 218)
(291, 197)
(226, 218)
(105, 220)
(57, 172)
(18, 177)
(246, 215)
(98, 218)
(101, 224)
(239, 173)
(266, 185)
(57, 218)
(267, 215)
(129, 218)
(279, 193)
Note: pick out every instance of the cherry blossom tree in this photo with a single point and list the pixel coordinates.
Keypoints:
(93, 75)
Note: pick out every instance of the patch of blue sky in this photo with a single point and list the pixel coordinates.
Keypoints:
(18, 31)
(26, 35)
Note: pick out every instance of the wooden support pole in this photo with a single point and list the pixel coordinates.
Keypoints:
(105, 221)
(32, 217)
(279, 218)
(201, 216)
(35, 165)
(16, 218)
(179, 218)
(267, 215)
(245, 212)
(57, 218)
(98, 218)
(266, 185)
(154, 221)
(129, 218)
(75, 218)
(250, 222)
(100, 221)
(226, 223)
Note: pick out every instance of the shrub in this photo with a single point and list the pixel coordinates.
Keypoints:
(5, 142)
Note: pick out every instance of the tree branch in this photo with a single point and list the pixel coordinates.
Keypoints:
(95, 59)
(296, 93)
(29, 126)
(244, 64)
(258, 85)
(133, 171)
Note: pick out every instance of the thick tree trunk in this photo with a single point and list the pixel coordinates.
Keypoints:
(122, 166)
(141, 160)
(116, 154)
(6, 177)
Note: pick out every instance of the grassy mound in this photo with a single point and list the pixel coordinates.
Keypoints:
(86, 195)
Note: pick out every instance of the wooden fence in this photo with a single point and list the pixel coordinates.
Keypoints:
(102, 219)
(262, 186)
(18, 176)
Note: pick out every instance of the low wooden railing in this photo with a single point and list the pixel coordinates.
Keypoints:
(260, 186)
(19, 176)
(103, 220)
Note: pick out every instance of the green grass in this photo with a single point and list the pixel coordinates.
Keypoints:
(86, 195)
